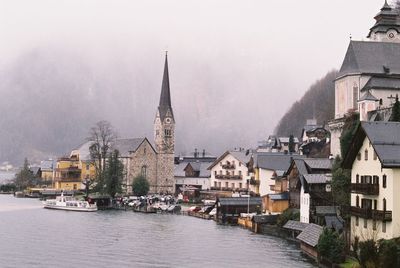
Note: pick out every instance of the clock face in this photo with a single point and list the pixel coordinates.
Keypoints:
(168, 120)
(391, 35)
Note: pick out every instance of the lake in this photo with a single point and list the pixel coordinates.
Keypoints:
(35, 237)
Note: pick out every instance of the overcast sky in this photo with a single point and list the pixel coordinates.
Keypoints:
(276, 47)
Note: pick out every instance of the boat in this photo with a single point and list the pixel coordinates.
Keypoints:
(69, 203)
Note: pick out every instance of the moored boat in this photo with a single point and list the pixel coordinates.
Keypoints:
(69, 203)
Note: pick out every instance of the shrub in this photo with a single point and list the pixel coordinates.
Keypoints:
(368, 255)
(288, 214)
(331, 246)
(140, 185)
(388, 254)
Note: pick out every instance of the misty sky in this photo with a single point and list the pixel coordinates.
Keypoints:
(265, 51)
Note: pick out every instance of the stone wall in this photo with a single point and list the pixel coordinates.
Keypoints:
(165, 174)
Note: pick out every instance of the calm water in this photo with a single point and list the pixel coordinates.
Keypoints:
(31, 236)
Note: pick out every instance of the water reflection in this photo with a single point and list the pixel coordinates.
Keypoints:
(36, 237)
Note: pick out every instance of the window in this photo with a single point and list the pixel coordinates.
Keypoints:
(384, 204)
(220, 172)
(144, 171)
(375, 155)
(215, 184)
(233, 185)
(220, 163)
(215, 173)
(375, 204)
(240, 164)
(144, 150)
(355, 95)
(383, 227)
(376, 179)
(167, 132)
(227, 172)
(226, 184)
(362, 179)
(357, 201)
(384, 181)
(240, 173)
(240, 185)
(233, 173)
(365, 223)
(356, 221)
(357, 178)
(359, 156)
(366, 155)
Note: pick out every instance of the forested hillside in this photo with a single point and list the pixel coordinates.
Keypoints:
(319, 99)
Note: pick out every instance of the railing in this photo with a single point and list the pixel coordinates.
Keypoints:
(228, 166)
(365, 188)
(367, 213)
(382, 215)
(68, 179)
(229, 177)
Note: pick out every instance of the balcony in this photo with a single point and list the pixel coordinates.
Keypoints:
(365, 188)
(228, 177)
(254, 182)
(275, 188)
(228, 166)
(367, 213)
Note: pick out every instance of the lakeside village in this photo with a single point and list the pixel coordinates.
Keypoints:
(332, 189)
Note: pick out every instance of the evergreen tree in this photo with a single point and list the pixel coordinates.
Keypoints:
(140, 185)
(292, 145)
(350, 126)
(341, 184)
(396, 110)
(331, 246)
(24, 178)
(113, 175)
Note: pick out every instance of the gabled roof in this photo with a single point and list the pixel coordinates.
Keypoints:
(371, 58)
(243, 156)
(382, 83)
(295, 225)
(368, 97)
(311, 234)
(319, 163)
(385, 139)
(316, 178)
(273, 161)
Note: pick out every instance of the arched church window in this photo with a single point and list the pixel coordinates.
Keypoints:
(144, 171)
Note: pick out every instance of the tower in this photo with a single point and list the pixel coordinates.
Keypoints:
(164, 137)
(387, 25)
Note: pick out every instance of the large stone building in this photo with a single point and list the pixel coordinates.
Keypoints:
(369, 77)
(140, 156)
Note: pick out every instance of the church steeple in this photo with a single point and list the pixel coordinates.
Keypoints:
(387, 25)
(165, 107)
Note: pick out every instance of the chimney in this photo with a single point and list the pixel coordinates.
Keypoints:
(204, 153)
(195, 153)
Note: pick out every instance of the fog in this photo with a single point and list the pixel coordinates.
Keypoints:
(235, 67)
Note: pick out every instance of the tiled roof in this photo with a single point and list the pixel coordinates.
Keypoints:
(127, 146)
(334, 222)
(240, 201)
(382, 83)
(319, 163)
(311, 234)
(368, 96)
(385, 138)
(295, 225)
(371, 58)
(316, 178)
(326, 210)
(265, 218)
(274, 161)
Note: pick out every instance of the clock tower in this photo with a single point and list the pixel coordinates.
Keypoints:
(164, 137)
(387, 25)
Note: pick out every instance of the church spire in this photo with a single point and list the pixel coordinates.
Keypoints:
(387, 25)
(165, 97)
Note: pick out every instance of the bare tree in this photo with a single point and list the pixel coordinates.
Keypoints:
(102, 137)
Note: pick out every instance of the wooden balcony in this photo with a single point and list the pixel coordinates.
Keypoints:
(365, 188)
(228, 177)
(367, 213)
(254, 182)
(228, 166)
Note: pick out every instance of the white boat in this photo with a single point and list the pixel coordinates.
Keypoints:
(69, 203)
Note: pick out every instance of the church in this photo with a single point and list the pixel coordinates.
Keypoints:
(154, 161)
(369, 78)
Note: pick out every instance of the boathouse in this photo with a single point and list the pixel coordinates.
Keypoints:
(229, 209)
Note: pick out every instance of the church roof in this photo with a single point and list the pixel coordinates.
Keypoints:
(386, 19)
(371, 58)
(165, 97)
(368, 97)
(382, 83)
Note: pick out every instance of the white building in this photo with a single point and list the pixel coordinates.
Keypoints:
(370, 68)
(230, 173)
(374, 159)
